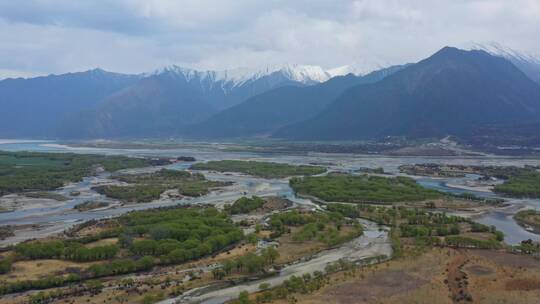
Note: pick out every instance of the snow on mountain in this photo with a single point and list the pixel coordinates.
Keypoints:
(497, 49)
(527, 63)
(306, 74)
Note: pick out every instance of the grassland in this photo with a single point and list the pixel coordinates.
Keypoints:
(30, 171)
(260, 169)
(362, 188)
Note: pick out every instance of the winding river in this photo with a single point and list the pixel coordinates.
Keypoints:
(51, 220)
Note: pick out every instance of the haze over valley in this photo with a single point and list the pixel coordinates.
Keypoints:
(247, 152)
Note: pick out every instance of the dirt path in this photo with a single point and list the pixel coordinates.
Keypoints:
(457, 279)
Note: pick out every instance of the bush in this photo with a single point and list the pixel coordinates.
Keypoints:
(246, 205)
(5, 265)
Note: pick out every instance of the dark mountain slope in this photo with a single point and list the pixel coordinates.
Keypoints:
(32, 107)
(161, 104)
(451, 92)
(155, 106)
(264, 113)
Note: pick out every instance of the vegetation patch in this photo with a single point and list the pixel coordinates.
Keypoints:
(137, 193)
(261, 169)
(362, 188)
(423, 228)
(524, 184)
(145, 238)
(529, 219)
(90, 205)
(31, 171)
(518, 181)
(147, 187)
(47, 195)
(323, 227)
(246, 205)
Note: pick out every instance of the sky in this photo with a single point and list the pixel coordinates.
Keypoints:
(40, 37)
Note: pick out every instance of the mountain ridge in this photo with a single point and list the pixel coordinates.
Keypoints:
(447, 93)
(266, 112)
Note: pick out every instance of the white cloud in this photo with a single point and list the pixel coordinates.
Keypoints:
(46, 36)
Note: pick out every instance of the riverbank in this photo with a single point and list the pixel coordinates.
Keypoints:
(374, 242)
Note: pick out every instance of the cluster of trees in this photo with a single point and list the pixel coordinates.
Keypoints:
(422, 231)
(380, 215)
(121, 266)
(280, 222)
(146, 187)
(80, 253)
(135, 193)
(48, 282)
(262, 169)
(250, 263)
(178, 234)
(526, 183)
(64, 250)
(169, 235)
(246, 205)
(418, 223)
(324, 227)
(362, 189)
(32, 171)
(5, 264)
(472, 197)
(467, 242)
(40, 250)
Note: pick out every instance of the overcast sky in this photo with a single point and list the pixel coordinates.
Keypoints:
(132, 36)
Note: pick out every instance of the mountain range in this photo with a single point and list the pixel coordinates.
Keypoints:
(265, 113)
(32, 107)
(450, 93)
(453, 92)
(101, 104)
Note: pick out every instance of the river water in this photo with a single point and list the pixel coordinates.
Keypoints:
(57, 218)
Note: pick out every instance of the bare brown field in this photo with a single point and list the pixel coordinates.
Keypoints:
(31, 270)
(441, 275)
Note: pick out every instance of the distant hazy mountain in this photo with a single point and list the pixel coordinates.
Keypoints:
(163, 102)
(265, 113)
(529, 64)
(32, 107)
(451, 92)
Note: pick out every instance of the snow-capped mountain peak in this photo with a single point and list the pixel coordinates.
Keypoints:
(526, 62)
(306, 74)
(497, 49)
